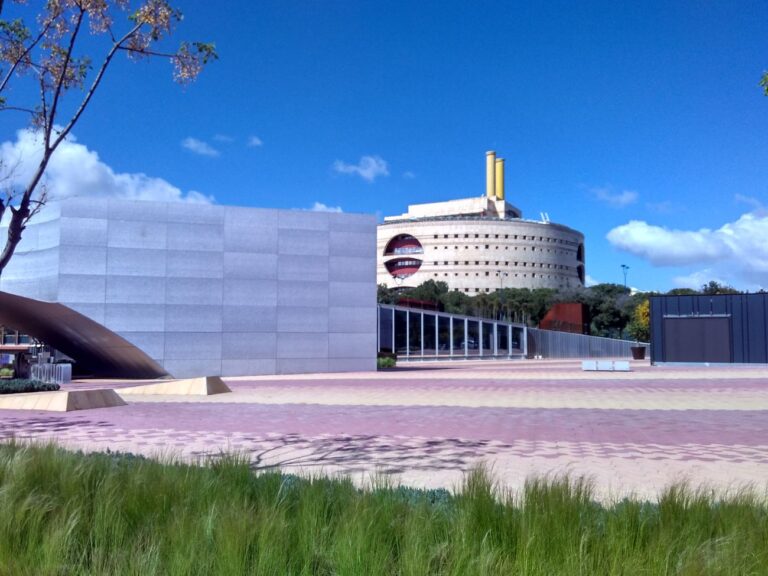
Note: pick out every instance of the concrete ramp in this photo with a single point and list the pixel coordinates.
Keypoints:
(204, 386)
(62, 400)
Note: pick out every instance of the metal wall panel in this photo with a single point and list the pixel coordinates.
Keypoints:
(552, 344)
(748, 315)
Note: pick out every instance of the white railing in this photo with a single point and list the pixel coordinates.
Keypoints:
(52, 373)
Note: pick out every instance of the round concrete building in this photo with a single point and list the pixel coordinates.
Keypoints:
(478, 245)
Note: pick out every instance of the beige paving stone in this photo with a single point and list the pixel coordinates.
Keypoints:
(204, 386)
(62, 400)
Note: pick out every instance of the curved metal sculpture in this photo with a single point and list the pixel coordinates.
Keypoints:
(94, 347)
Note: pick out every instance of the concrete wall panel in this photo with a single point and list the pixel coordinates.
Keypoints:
(239, 367)
(301, 365)
(197, 291)
(290, 345)
(193, 367)
(83, 260)
(190, 345)
(252, 265)
(136, 262)
(194, 213)
(84, 231)
(249, 319)
(303, 242)
(153, 343)
(351, 268)
(359, 244)
(295, 293)
(302, 319)
(131, 210)
(192, 318)
(200, 237)
(83, 289)
(352, 294)
(351, 319)
(129, 234)
(303, 268)
(239, 292)
(194, 264)
(303, 220)
(351, 364)
(351, 345)
(83, 208)
(249, 345)
(135, 317)
(134, 290)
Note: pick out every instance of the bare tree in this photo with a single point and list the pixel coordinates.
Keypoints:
(47, 55)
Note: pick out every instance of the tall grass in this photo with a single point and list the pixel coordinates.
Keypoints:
(65, 513)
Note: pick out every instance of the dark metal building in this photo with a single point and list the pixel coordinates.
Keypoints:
(701, 328)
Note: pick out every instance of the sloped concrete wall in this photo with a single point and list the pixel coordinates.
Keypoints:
(209, 290)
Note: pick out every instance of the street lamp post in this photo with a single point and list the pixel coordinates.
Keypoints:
(625, 269)
(501, 275)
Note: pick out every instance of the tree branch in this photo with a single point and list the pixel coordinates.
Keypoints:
(62, 79)
(26, 53)
(94, 85)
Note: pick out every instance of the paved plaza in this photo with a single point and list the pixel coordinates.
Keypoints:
(426, 425)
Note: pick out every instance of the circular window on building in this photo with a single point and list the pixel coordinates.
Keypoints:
(403, 267)
(403, 244)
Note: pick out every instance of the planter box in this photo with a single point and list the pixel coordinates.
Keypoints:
(638, 352)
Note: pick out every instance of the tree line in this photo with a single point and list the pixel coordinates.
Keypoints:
(613, 310)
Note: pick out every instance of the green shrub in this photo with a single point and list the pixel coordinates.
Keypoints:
(20, 385)
(65, 513)
(6, 372)
(383, 363)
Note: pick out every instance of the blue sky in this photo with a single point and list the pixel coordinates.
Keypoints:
(639, 123)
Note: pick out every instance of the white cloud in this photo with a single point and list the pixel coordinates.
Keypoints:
(698, 278)
(199, 147)
(254, 142)
(615, 199)
(320, 207)
(735, 249)
(589, 281)
(74, 170)
(749, 200)
(369, 168)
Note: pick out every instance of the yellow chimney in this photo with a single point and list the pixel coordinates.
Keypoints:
(490, 174)
(499, 178)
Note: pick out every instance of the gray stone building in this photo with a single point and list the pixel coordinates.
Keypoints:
(201, 289)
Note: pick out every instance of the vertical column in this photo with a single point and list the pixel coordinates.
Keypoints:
(525, 341)
(490, 174)
(407, 333)
(499, 185)
(480, 337)
(466, 338)
(393, 331)
(421, 331)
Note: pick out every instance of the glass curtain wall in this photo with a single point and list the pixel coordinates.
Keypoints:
(430, 334)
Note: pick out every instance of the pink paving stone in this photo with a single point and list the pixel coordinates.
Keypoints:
(437, 437)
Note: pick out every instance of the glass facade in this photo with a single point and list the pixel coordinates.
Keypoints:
(425, 334)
